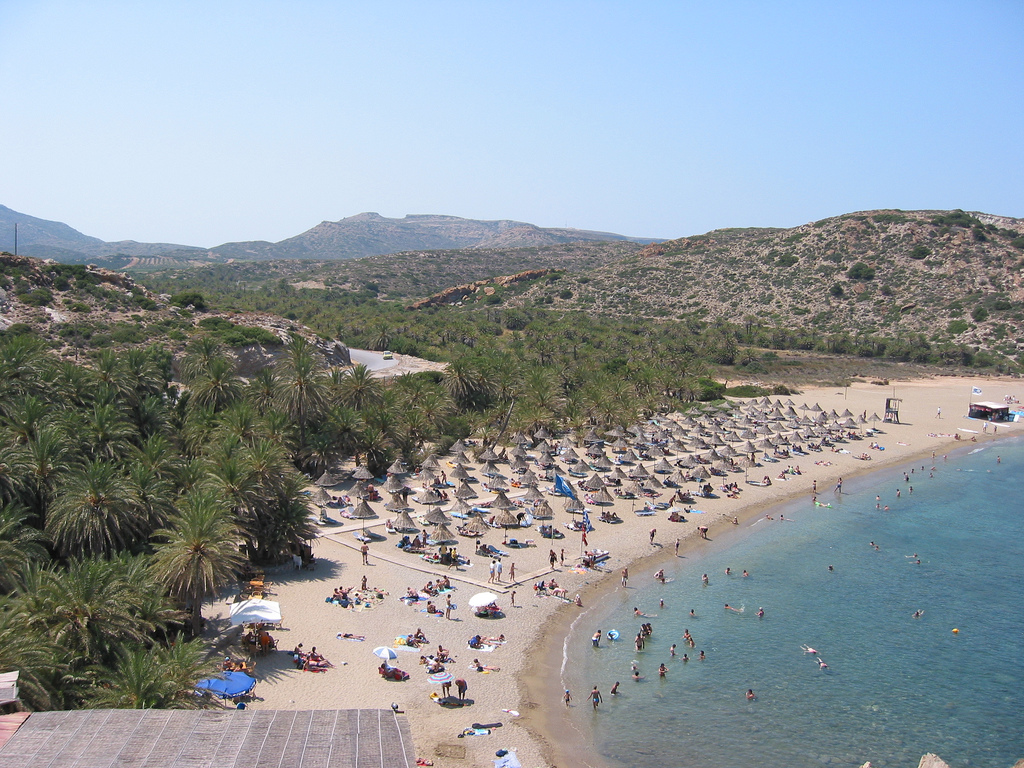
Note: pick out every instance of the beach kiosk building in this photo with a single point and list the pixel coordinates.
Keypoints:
(989, 411)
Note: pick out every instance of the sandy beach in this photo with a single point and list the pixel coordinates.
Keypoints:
(526, 678)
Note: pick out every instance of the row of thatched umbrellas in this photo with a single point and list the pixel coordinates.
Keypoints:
(726, 440)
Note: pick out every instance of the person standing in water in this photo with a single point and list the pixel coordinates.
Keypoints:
(567, 697)
(595, 697)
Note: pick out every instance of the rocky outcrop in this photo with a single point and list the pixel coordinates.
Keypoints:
(459, 293)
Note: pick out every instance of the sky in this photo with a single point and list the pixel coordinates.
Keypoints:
(208, 122)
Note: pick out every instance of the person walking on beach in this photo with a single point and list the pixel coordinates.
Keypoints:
(490, 579)
(938, 412)
(653, 531)
(512, 572)
(595, 697)
(677, 547)
(497, 570)
(448, 606)
(839, 486)
(625, 576)
(365, 549)
(552, 558)
(567, 697)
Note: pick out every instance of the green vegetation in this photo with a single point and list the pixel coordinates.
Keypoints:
(861, 271)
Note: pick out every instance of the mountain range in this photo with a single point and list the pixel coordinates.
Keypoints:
(365, 234)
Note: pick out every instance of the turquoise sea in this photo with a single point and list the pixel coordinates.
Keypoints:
(896, 686)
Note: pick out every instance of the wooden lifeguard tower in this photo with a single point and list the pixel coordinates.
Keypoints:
(892, 410)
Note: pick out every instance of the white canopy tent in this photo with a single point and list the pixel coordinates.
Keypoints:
(255, 611)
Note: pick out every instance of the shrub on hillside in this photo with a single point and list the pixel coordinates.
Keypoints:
(861, 271)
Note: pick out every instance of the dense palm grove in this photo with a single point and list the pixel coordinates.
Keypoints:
(136, 485)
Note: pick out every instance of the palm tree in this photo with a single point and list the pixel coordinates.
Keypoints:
(31, 652)
(263, 389)
(19, 545)
(216, 385)
(301, 393)
(154, 678)
(466, 384)
(198, 553)
(359, 389)
(95, 512)
(89, 609)
(14, 471)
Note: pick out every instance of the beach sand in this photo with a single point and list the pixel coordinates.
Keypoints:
(528, 680)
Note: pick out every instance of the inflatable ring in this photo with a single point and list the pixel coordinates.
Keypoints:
(613, 634)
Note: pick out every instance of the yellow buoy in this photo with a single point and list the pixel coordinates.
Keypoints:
(956, 631)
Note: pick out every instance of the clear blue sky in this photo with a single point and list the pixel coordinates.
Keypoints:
(205, 122)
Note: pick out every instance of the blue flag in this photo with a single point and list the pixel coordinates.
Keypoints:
(586, 522)
(975, 390)
(563, 487)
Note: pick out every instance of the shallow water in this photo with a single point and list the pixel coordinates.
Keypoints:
(895, 688)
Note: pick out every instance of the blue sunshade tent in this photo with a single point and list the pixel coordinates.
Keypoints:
(227, 687)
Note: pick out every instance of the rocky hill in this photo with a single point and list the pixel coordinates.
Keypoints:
(370, 234)
(952, 275)
(44, 239)
(366, 234)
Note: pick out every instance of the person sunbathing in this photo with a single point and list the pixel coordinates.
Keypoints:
(314, 661)
(477, 666)
(499, 640)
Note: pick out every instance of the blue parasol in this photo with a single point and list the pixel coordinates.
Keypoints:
(227, 687)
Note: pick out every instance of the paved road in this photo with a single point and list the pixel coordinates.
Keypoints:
(372, 360)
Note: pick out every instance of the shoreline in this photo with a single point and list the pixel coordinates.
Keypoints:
(560, 734)
(537, 627)
(574, 743)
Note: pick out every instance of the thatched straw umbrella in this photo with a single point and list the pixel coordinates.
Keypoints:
(397, 503)
(362, 473)
(397, 468)
(435, 517)
(506, 518)
(528, 478)
(465, 491)
(321, 497)
(404, 523)
(393, 484)
(603, 497)
(430, 496)
(593, 482)
(460, 508)
(496, 484)
(573, 505)
(501, 501)
(326, 480)
(603, 462)
(543, 510)
(441, 535)
(532, 494)
(459, 473)
(475, 524)
(431, 462)
(487, 456)
(663, 467)
(363, 511)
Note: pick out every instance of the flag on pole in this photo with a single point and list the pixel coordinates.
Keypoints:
(975, 390)
(586, 521)
(563, 487)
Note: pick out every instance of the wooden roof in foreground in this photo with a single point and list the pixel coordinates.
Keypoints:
(166, 738)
